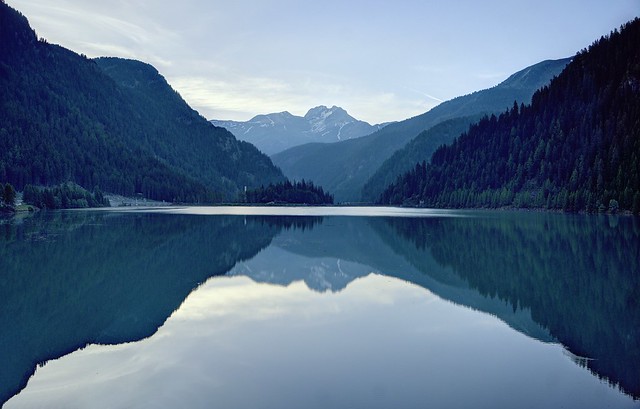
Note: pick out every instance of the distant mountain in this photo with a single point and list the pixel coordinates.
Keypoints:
(343, 168)
(273, 133)
(576, 147)
(110, 123)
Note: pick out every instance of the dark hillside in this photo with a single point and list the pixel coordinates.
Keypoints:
(62, 118)
(576, 147)
(419, 149)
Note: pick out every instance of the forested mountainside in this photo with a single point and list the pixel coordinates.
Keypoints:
(343, 168)
(110, 123)
(419, 149)
(276, 132)
(576, 147)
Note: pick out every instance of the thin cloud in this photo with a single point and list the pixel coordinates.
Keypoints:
(424, 94)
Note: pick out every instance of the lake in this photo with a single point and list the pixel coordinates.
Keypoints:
(264, 307)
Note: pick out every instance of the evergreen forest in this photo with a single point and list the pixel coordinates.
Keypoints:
(576, 147)
(295, 193)
(111, 124)
(65, 196)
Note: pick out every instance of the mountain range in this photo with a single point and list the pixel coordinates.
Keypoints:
(273, 133)
(110, 123)
(117, 126)
(343, 168)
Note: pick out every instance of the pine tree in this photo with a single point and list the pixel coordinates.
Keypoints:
(9, 195)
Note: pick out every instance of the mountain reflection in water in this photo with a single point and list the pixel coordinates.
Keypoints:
(75, 278)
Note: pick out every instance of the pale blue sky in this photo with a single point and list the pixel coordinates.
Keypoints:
(380, 60)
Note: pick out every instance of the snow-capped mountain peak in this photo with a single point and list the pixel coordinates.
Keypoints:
(275, 132)
(323, 119)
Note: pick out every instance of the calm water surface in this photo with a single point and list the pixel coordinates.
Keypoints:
(318, 307)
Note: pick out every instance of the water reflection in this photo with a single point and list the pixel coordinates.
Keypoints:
(113, 278)
(578, 275)
(558, 278)
(379, 343)
(69, 279)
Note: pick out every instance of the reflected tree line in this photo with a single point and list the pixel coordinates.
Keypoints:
(579, 276)
(289, 222)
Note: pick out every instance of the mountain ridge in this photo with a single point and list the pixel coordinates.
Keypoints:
(576, 147)
(421, 147)
(66, 118)
(343, 168)
(278, 131)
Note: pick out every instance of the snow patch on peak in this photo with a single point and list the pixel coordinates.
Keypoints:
(278, 131)
(340, 130)
(271, 120)
(318, 111)
(263, 120)
(322, 118)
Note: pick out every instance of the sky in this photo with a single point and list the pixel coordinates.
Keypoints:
(380, 60)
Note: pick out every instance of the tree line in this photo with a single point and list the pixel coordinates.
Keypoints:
(302, 192)
(64, 196)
